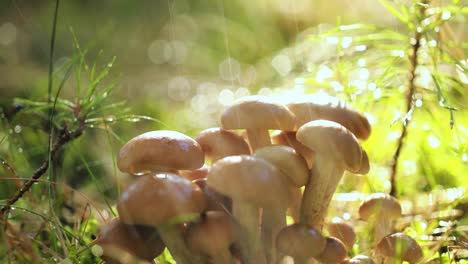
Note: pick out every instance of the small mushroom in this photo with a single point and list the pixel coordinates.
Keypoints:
(212, 236)
(218, 143)
(163, 200)
(336, 150)
(300, 242)
(257, 115)
(288, 138)
(137, 241)
(334, 252)
(322, 106)
(343, 231)
(398, 247)
(380, 211)
(252, 183)
(160, 151)
(295, 172)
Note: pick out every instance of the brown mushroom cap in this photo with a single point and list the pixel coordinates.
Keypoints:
(401, 247)
(214, 233)
(287, 161)
(320, 106)
(160, 150)
(142, 242)
(218, 143)
(195, 174)
(250, 179)
(288, 138)
(300, 241)
(333, 141)
(381, 205)
(334, 252)
(214, 200)
(343, 231)
(257, 112)
(157, 199)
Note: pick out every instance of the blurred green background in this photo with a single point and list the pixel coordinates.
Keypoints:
(182, 62)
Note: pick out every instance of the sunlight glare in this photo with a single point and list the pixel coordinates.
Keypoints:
(323, 73)
(433, 141)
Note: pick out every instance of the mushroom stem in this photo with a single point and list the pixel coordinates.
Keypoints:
(273, 220)
(324, 178)
(258, 138)
(382, 227)
(172, 237)
(248, 219)
(294, 209)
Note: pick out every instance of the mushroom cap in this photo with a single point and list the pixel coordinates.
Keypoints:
(157, 199)
(158, 150)
(300, 241)
(249, 179)
(196, 173)
(360, 259)
(343, 231)
(288, 138)
(335, 251)
(218, 143)
(322, 106)
(257, 112)
(401, 247)
(334, 141)
(380, 205)
(285, 158)
(140, 241)
(215, 232)
(214, 200)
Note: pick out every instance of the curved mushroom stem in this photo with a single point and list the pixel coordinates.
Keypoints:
(172, 237)
(258, 138)
(295, 197)
(324, 178)
(248, 219)
(382, 227)
(273, 220)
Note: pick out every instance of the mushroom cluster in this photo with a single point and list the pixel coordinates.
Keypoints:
(224, 196)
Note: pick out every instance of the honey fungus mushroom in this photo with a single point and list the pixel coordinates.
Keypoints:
(323, 106)
(398, 247)
(218, 143)
(336, 150)
(163, 200)
(380, 211)
(121, 242)
(160, 151)
(257, 114)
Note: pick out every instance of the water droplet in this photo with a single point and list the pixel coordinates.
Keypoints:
(465, 157)
(446, 15)
(18, 129)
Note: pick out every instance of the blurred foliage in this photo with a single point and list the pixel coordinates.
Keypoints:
(182, 62)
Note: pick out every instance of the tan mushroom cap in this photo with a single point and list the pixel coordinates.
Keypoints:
(142, 242)
(157, 199)
(343, 231)
(160, 150)
(257, 112)
(213, 234)
(321, 106)
(288, 138)
(333, 141)
(300, 241)
(335, 251)
(218, 143)
(285, 158)
(401, 247)
(381, 205)
(249, 179)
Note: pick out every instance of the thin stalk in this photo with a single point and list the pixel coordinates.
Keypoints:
(413, 58)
